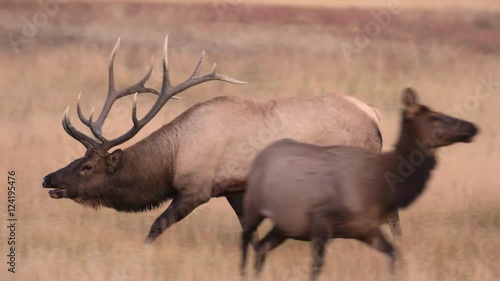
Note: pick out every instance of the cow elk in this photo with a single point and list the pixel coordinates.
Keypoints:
(315, 193)
(205, 152)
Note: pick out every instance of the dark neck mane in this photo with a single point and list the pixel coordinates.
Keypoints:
(409, 167)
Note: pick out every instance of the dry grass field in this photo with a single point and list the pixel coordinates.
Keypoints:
(446, 51)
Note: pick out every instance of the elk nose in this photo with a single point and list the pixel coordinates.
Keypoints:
(474, 130)
(46, 181)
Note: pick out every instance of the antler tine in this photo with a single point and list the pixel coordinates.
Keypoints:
(166, 75)
(192, 81)
(167, 92)
(94, 129)
(221, 77)
(134, 111)
(113, 94)
(162, 99)
(213, 74)
(140, 87)
(111, 75)
(79, 111)
(73, 132)
(196, 72)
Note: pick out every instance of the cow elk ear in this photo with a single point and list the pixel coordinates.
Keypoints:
(410, 97)
(410, 101)
(113, 161)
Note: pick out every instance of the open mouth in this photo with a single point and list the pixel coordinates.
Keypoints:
(467, 138)
(57, 193)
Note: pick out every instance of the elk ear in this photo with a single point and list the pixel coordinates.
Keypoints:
(410, 97)
(410, 101)
(113, 160)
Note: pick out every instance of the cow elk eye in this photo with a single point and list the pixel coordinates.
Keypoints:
(86, 168)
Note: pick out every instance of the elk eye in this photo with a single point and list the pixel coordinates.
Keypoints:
(434, 118)
(86, 168)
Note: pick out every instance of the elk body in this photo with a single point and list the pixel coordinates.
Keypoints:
(205, 152)
(315, 193)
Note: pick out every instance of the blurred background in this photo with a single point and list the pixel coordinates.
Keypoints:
(50, 50)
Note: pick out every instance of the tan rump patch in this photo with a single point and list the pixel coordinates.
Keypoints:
(373, 113)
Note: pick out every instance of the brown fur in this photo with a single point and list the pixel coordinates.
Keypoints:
(206, 152)
(315, 192)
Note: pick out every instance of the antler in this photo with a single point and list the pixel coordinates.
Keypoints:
(167, 92)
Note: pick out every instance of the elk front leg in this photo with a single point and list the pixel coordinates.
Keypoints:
(272, 240)
(181, 206)
(319, 238)
(378, 241)
(236, 202)
(249, 224)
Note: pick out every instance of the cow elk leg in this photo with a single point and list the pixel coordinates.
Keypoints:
(272, 240)
(319, 238)
(394, 224)
(378, 241)
(250, 226)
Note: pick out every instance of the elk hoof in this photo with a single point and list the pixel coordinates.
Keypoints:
(149, 240)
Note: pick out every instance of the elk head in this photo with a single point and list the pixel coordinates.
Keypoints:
(86, 180)
(433, 129)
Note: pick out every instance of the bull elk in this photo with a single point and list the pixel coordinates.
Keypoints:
(315, 193)
(205, 152)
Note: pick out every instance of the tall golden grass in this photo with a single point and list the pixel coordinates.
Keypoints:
(451, 233)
